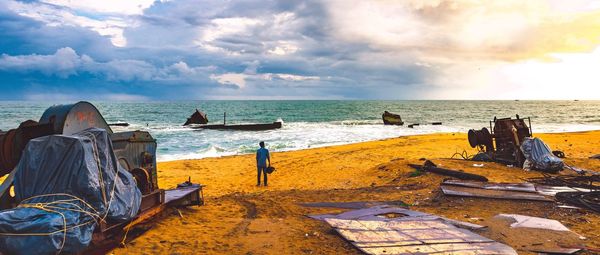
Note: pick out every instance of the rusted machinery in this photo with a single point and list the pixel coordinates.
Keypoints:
(503, 143)
(135, 151)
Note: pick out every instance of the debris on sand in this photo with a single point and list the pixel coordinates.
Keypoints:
(393, 230)
(555, 233)
(589, 200)
(429, 166)
(354, 205)
(538, 156)
(517, 191)
(524, 221)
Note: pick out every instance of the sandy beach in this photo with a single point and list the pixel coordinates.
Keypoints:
(240, 218)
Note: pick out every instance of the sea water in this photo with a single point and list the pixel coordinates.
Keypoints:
(309, 124)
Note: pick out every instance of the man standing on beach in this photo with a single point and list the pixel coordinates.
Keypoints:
(262, 155)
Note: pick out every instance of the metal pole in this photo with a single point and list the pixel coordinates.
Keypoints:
(224, 115)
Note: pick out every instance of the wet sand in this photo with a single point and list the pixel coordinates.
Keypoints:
(240, 218)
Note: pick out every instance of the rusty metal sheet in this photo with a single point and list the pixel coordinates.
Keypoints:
(524, 221)
(496, 194)
(460, 248)
(463, 224)
(556, 250)
(523, 187)
(175, 194)
(353, 204)
(414, 236)
(552, 190)
(377, 213)
(372, 213)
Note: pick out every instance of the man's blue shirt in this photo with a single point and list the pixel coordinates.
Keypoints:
(261, 156)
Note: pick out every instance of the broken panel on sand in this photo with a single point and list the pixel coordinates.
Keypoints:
(393, 230)
(416, 236)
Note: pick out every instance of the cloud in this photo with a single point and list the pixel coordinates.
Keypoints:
(237, 79)
(129, 7)
(505, 30)
(250, 73)
(65, 62)
(289, 49)
(54, 97)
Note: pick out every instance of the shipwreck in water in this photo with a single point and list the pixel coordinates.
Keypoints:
(392, 119)
(197, 117)
(200, 118)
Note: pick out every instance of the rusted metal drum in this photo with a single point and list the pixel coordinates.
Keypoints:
(58, 119)
(69, 119)
(7, 162)
(13, 142)
(480, 137)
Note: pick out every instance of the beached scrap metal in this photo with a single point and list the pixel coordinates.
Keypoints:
(549, 226)
(392, 230)
(134, 152)
(197, 117)
(392, 119)
(503, 143)
(517, 191)
(589, 200)
(572, 181)
(429, 166)
(65, 185)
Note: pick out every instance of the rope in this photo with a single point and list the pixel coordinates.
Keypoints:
(464, 154)
(54, 206)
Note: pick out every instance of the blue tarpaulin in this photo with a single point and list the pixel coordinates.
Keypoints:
(65, 186)
(539, 156)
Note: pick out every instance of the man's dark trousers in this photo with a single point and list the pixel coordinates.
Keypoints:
(262, 169)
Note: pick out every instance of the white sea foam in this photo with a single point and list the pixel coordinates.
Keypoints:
(310, 124)
(304, 135)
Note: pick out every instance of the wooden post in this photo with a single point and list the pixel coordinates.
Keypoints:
(224, 115)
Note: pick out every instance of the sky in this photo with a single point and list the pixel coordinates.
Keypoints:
(331, 49)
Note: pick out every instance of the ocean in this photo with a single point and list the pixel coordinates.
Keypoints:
(309, 124)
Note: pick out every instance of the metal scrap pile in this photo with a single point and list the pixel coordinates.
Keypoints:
(66, 169)
(510, 143)
(588, 198)
(572, 181)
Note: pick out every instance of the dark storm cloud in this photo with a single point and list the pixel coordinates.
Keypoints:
(190, 49)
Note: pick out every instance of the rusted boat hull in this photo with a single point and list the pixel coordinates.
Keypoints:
(392, 119)
(197, 117)
(243, 127)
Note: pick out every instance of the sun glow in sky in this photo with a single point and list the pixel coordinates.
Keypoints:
(340, 49)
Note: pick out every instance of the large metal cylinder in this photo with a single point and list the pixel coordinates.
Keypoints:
(59, 119)
(69, 119)
(14, 141)
(480, 138)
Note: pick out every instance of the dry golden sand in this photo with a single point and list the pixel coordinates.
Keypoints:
(240, 218)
